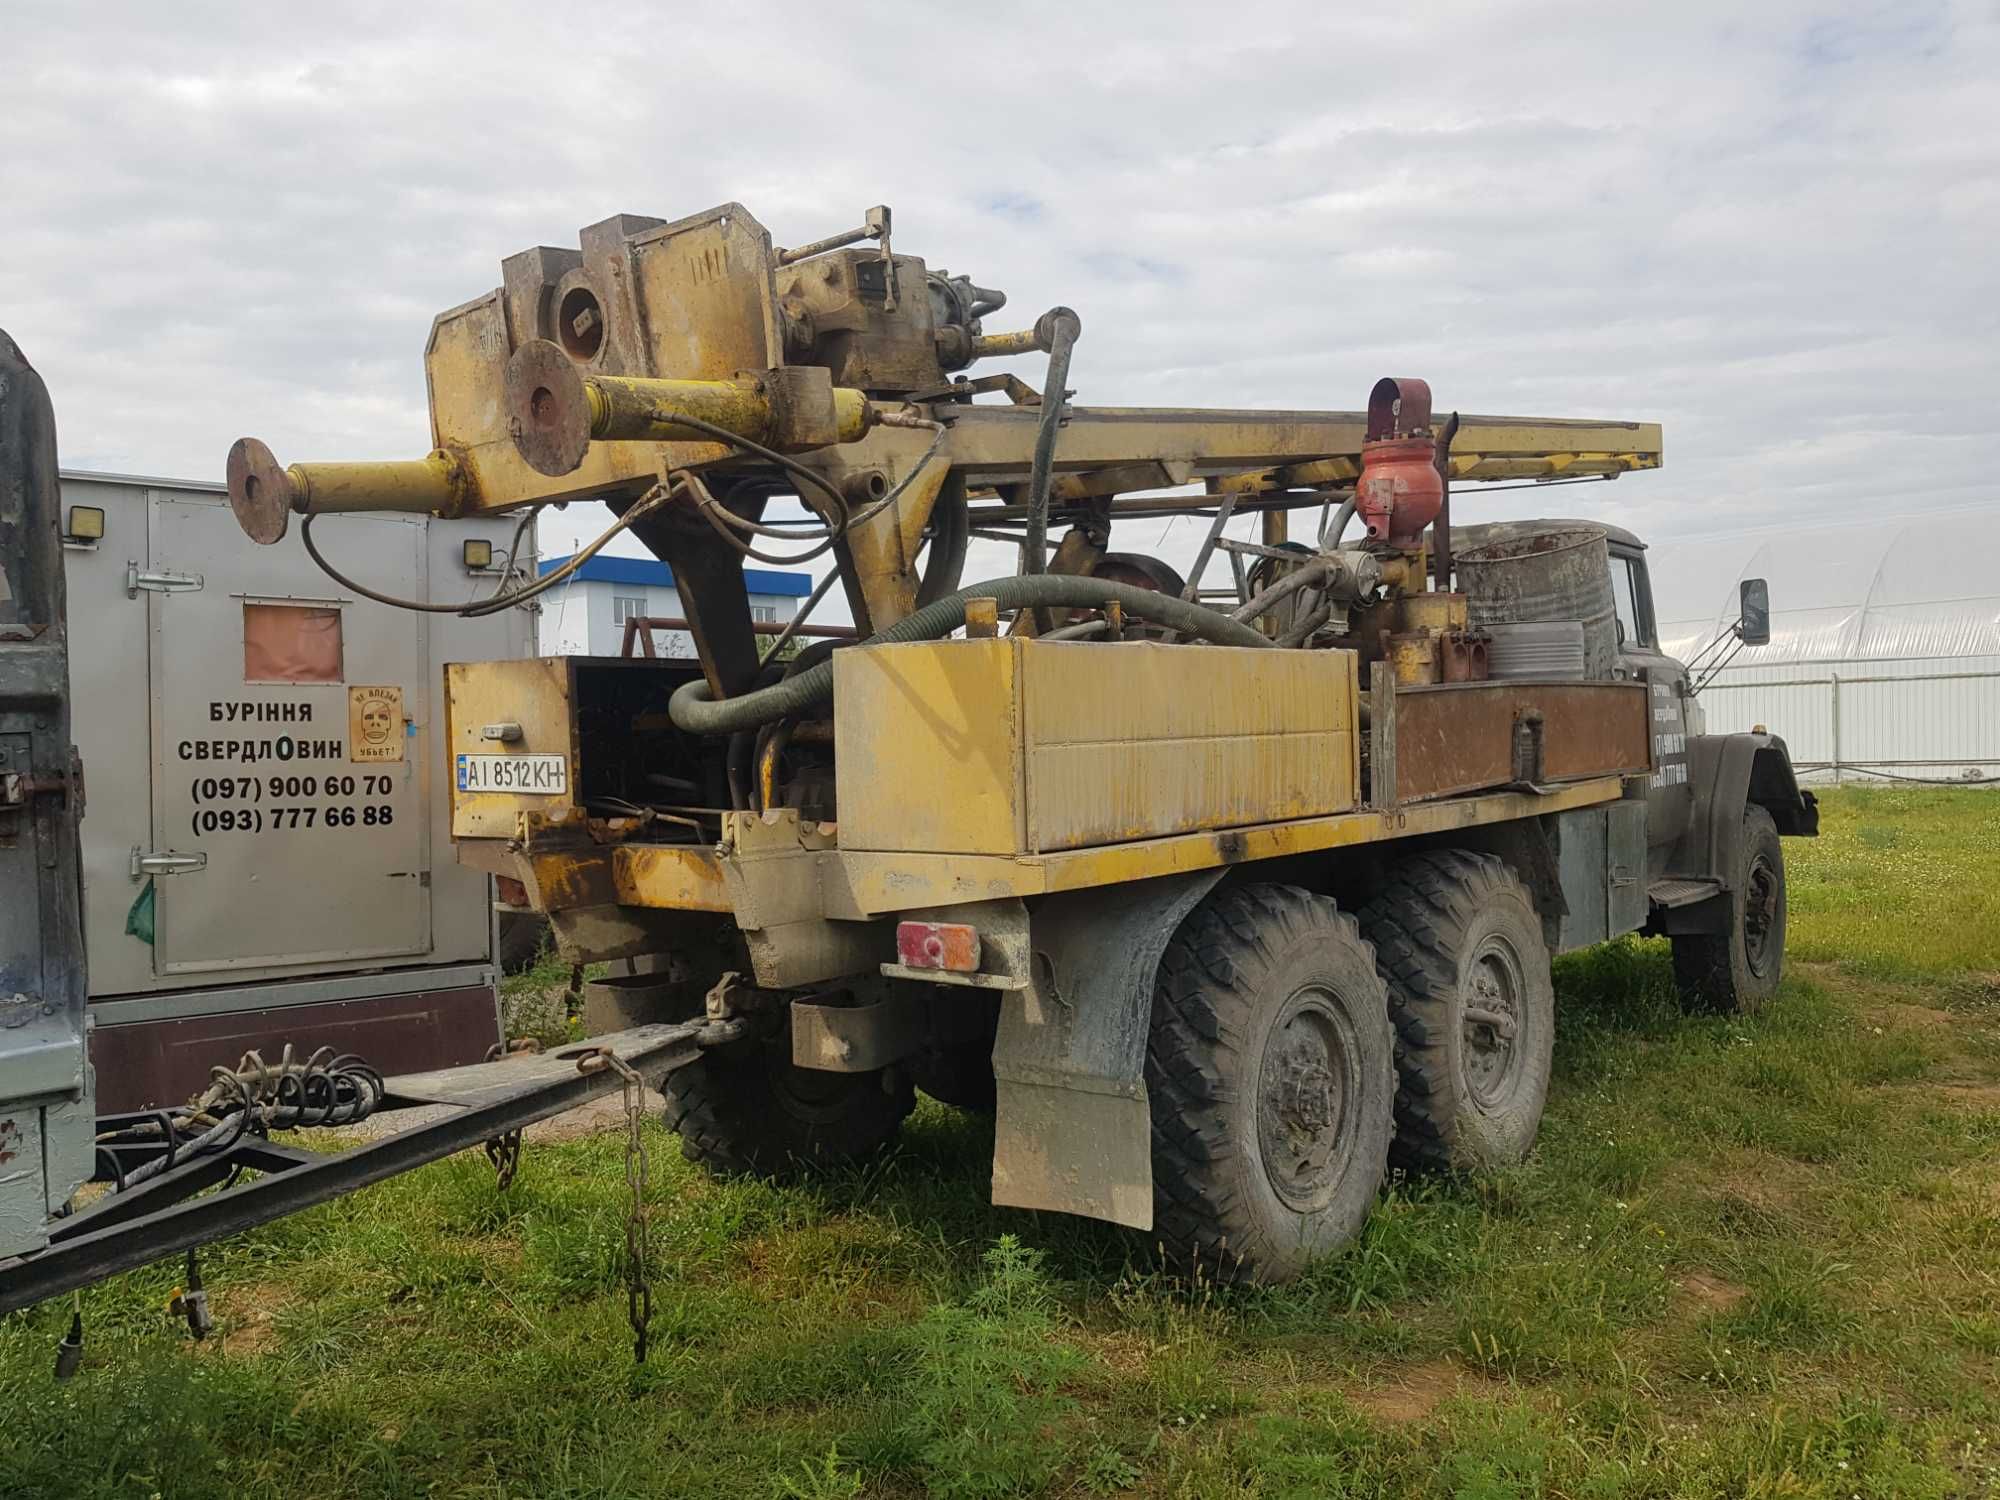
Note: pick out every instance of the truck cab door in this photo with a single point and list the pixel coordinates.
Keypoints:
(1669, 798)
(47, 1109)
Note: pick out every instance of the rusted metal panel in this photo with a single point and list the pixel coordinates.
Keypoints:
(1461, 737)
(684, 879)
(151, 1063)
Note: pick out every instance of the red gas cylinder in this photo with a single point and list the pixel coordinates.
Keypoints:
(1400, 490)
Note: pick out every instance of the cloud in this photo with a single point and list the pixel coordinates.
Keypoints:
(1768, 227)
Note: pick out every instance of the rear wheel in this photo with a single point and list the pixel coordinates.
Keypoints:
(523, 935)
(1735, 972)
(1460, 946)
(1270, 1072)
(961, 1075)
(747, 1109)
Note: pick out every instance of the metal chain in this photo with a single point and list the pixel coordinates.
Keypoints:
(638, 1293)
(504, 1150)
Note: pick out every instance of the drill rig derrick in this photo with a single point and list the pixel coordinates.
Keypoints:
(697, 355)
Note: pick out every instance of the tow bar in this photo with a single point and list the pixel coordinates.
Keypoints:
(160, 1214)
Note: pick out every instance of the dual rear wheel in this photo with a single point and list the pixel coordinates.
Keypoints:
(1296, 1052)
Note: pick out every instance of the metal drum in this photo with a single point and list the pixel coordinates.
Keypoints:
(1544, 576)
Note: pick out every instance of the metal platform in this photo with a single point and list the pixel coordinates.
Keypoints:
(172, 1211)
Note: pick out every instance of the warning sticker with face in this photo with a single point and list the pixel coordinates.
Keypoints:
(374, 723)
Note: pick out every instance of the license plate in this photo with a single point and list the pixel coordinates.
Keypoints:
(526, 775)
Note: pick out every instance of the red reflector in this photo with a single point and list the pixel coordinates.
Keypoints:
(938, 945)
(510, 891)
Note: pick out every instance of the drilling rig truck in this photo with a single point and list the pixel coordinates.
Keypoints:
(1221, 899)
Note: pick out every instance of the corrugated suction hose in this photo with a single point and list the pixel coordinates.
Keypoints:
(694, 711)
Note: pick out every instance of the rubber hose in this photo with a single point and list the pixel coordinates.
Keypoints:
(1330, 537)
(951, 532)
(1311, 572)
(693, 710)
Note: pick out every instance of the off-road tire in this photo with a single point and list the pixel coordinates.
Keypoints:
(1455, 930)
(1271, 1073)
(1735, 972)
(523, 935)
(746, 1109)
(962, 1075)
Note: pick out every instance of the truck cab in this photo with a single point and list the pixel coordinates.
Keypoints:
(1715, 804)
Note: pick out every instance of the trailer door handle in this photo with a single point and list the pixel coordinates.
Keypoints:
(165, 863)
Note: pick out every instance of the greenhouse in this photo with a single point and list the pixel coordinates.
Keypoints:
(1884, 659)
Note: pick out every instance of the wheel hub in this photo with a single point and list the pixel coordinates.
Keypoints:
(1490, 1056)
(1305, 1124)
(1760, 912)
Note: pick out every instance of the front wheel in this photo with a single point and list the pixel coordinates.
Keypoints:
(1271, 1075)
(1734, 972)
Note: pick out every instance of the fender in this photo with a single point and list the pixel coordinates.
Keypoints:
(1728, 772)
(1073, 1131)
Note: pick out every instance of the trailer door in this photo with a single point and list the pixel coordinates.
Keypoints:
(287, 822)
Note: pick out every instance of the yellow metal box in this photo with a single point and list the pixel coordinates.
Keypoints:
(1017, 746)
(519, 710)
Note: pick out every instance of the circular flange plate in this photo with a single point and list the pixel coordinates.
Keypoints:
(548, 410)
(260, 491)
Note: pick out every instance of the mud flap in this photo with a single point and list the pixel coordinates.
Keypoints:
(1073, 1131)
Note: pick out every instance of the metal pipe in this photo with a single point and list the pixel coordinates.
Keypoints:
(556, 412)
(1159, 507)
(631, 409)
(1062, 328)
(994, 345)
(820, 247)
(265, 495)
(797, 622)
(781, 629)
(1441, 526)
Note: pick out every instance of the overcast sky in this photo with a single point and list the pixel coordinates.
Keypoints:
(1771, 227)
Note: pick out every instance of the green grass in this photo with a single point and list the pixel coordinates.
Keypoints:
(536, 1002)
(1749, 1258)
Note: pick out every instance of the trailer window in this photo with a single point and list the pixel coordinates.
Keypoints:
(291, 643)
(627, 607)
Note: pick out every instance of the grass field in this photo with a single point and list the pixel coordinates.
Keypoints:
(1750, 1258)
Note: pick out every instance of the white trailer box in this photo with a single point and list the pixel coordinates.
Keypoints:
(266, 847)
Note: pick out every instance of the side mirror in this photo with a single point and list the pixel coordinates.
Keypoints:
(1753, 627)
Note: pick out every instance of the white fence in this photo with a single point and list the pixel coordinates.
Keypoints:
(1932, 718)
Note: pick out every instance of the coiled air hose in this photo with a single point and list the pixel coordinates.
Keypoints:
(693, 710)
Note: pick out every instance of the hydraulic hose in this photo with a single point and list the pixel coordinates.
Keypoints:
(1329, 535)
(1311, 571)
(693, 710)
(951, 532)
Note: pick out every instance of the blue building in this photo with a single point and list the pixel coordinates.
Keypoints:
(586, 615)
